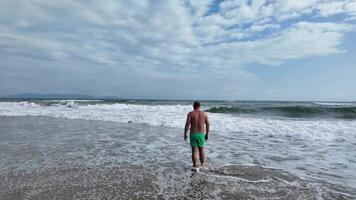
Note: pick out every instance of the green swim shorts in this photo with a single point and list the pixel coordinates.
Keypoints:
(197, 139)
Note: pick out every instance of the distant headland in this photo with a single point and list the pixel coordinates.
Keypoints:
(55, 96)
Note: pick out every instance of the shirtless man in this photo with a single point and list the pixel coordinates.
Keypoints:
(196, 120)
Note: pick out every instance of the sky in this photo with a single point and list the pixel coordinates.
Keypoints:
(180, 49)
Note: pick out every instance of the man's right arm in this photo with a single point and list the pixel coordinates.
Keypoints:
(186, 128)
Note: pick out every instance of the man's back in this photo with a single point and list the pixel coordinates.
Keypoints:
(199, 132)
(197, 121)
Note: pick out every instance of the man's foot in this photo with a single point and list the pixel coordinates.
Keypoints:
(195, 169)
(203, 167)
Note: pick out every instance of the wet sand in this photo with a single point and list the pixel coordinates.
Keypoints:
(47, 158)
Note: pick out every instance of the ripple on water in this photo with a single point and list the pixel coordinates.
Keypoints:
(284, 158)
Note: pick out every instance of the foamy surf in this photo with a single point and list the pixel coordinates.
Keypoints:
(174, 116)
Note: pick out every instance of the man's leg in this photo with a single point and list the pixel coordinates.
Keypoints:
(194, 159)
(201, 156)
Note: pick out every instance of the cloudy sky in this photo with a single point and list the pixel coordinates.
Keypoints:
(180, 49)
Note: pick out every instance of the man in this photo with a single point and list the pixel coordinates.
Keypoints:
(196, 120)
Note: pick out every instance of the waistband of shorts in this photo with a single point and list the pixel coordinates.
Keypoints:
(198, 133)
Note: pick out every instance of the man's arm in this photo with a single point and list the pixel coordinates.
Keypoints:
(207, 126)
(186, 128)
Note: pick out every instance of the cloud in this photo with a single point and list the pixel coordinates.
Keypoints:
(258, 28)
(155, 34)
(331, 8)
(171, 38)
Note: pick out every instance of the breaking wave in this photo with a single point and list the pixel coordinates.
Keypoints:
(345, 112)
(173, 115)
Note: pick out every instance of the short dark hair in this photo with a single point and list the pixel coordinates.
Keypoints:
(196, 104)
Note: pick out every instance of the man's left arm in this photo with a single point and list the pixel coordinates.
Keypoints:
(207, 127)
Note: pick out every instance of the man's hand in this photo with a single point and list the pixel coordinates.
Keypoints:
(206, 137)
(185, 137)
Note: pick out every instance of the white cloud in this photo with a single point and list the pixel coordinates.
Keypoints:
(257, 28)
(350, 7)
(301, 40)
(331, 8)
(199, 8)
(244, 11)
(173, 35)
(164, 34)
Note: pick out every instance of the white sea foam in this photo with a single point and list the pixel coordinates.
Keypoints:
(174, 116)
(335, 103)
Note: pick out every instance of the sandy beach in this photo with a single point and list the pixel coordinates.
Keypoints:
(54, 158)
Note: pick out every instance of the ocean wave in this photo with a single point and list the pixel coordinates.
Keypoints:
(345, 112)
(68, 103)
(229, 109)
(174, 116)
(334, 103)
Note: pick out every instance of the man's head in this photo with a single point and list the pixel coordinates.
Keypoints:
(196, 105)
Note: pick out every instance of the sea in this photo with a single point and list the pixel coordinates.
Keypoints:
(134, 149)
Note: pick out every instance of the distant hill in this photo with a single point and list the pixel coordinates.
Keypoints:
(55, 96)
